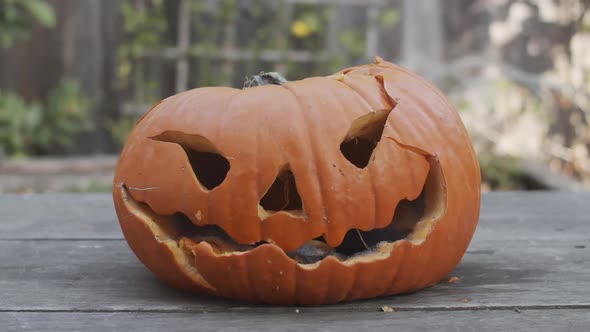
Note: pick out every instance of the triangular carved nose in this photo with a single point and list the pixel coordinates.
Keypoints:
(282, 194)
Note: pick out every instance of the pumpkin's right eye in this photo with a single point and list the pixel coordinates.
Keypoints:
(363, 136)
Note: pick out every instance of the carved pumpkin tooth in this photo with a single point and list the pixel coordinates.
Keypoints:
(335, 237)
(351, 186)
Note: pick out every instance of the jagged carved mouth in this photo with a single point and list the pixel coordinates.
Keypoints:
(412, 221)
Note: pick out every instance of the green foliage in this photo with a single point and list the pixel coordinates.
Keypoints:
(120, 129)
(229, 9)
(17, 17)
(389, 17)
(219, 26)
(584, 22)
(146, 24)
(312, 21)
(315, 18)
(144, 27)
(92, 187)
(35, 128)
(505, 173)
(67, 113)
(354, 41)
(40, 10)
(19, 121)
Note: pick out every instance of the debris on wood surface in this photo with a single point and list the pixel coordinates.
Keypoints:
(453, 280)
(387, 308)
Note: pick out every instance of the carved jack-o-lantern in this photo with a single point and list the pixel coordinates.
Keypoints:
(355, 185)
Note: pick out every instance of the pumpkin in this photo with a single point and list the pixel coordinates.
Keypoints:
(328, 189)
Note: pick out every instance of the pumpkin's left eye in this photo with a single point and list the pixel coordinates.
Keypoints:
(210, 168)
(207, 162)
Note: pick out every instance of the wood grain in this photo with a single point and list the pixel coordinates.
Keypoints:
(482, 321)
(58, 216)
(64, 265)
(105, 275)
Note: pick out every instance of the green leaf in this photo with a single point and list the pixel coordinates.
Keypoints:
(354, 41)
(389, 17)
(41, 11)
(312, 20)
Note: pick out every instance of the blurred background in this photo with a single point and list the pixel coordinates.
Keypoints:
(75, 75)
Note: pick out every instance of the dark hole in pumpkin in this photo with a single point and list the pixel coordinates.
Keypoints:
(208, 164)
(363, 136)
(282, 194)
(215, 235)
(407, 214)
(358, 151)
(210, 168)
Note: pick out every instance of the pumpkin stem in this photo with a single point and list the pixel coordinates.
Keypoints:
(265, 79)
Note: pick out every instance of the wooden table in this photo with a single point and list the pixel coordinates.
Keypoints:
(65, 266)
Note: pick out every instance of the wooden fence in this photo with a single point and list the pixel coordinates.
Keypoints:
(227, 54)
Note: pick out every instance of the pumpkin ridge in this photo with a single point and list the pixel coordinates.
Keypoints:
(395, 276)
(354, 277)
(225, 115)
(427, 84)
(345, 81)
(251, 278)
(310, 139)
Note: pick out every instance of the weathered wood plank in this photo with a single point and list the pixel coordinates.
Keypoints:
(496, 320)
(58, 216)
(65, 253)
(106, 276)
(45, 183)
(68, 165)
(510, 215)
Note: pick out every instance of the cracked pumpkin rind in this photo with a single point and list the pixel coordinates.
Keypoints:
(301, 124)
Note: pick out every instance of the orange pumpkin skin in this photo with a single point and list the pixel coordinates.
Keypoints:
(424, 148)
